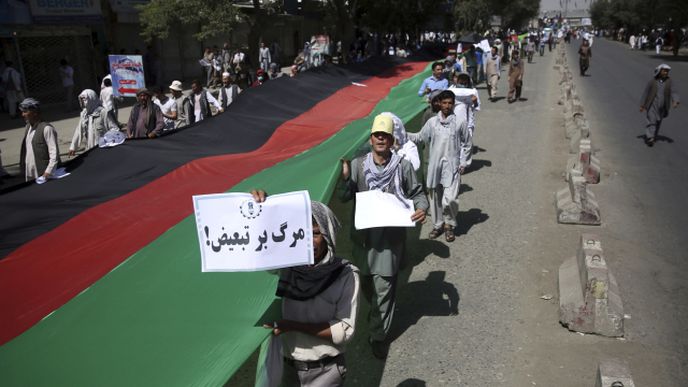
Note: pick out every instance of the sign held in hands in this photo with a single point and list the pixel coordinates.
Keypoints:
(375, 208)
(235, 233)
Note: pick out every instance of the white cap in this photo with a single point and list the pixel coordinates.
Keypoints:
(176, 86)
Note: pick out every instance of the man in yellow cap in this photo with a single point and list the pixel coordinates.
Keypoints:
(379, 251)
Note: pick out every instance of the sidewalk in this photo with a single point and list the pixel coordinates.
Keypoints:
(12, 130)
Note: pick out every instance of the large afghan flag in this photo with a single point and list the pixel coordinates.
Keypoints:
(100, 279)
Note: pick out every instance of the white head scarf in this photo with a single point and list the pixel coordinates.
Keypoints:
(661, 67)
(399, 129)
(91, 102)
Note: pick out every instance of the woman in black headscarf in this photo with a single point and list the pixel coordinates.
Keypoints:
(319, 305)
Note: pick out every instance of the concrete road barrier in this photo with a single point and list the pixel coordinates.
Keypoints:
(589, 299)
(576, 204)
(585, 163)
(580, 133)
(613, 373)
(575, 121)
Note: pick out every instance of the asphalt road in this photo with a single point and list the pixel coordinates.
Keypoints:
(510, 246)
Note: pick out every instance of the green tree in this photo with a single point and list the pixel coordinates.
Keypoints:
(214, 17)
(471, 15)
(515, 13)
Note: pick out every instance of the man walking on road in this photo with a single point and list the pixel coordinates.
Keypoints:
(493, 68)
(450, 146)
(380, 250)
(585, 53)
(516, 71)
(658, 98)
(434, 82)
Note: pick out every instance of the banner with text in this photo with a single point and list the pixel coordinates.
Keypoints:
(127, 74)
(235, 233)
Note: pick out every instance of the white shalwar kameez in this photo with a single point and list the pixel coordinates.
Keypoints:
(450, 144)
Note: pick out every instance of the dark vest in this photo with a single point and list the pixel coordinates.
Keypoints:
(651, 92)
(205, 105)
(152, 118)
(185, 114)
(223, 91)
(40, 150)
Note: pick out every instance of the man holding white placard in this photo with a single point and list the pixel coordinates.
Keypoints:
(319, 306)
(381, 249)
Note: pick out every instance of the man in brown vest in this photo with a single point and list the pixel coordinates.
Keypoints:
(39, 155)
(658, 98)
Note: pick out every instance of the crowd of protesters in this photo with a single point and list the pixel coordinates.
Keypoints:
(320, 301)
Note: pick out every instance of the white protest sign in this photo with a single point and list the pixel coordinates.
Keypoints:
(237, 234)
(380, 209)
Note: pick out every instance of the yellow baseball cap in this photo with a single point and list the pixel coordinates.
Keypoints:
(382, 123)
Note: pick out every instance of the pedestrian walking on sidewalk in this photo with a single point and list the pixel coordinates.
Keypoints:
(380, 250)
(229, 91)
(108, 100)
(264, 58)
(659, 97)
(185, 114)
(450, 144)
(67, 76)
(39, 156)
(584, 53)
(93, 122)
(516, 71)
(146, 119)
(201, 100)
(11, 80)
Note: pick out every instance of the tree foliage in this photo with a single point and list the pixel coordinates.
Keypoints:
(471, 15)
(474, 15)
(212, 16)
(515, 13)
(636, 15)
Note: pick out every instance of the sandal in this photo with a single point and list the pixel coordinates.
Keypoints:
(449, 234)
(435, 233)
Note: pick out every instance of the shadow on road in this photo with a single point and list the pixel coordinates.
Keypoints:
(679, 58)
(478, 164)
(430, 297)
(468, 219)
(412, 383)
(658, 137)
